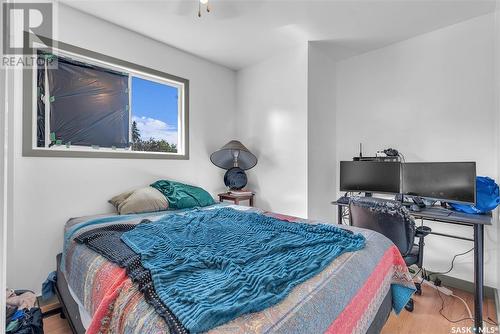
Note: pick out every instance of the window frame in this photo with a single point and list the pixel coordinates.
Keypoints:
(66, 50)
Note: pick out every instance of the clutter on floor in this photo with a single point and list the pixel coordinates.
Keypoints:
(22, 314)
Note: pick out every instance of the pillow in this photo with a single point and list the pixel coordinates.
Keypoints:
(145, 199)
(183, 196)
(118, 199)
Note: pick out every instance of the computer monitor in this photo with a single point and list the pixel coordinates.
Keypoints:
(370, 176)
(447, 181)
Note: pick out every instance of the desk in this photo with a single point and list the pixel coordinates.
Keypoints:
(477, 222)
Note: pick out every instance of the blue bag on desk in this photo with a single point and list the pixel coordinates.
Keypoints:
(487, 197)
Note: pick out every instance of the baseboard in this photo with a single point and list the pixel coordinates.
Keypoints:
(467, 286)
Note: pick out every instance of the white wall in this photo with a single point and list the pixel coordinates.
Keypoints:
(432, 97)
(497, 112)
(48, 191)
(321, 148)
(272, 123)
(6, 170)
(3, 187)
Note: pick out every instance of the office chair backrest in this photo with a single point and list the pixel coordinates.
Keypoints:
(387, 217)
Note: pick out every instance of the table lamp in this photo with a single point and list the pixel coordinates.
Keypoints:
(235, 158)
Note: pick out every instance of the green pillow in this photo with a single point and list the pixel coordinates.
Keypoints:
(183, 196)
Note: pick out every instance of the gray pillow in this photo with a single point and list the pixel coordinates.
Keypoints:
(146, 199)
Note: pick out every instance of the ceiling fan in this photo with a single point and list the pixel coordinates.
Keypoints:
(202, 3)
(221, 9)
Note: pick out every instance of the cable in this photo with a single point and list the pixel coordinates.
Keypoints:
(415, 275)
(462, 319)
(442, 308)
(402, 156)
(452, 263)
(466, 306)
(403, 159)
(489, 321)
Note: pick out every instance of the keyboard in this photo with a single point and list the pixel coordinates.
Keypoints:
(439, 211)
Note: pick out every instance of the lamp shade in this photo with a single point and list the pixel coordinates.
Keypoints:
(233, 151)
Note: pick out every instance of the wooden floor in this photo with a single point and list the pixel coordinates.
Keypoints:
(426, 318)
(56, 325)
(423, 320)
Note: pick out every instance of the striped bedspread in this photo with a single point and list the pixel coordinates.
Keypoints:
(343, 298)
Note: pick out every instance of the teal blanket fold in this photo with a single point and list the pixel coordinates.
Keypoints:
(211, 266)
(183, 196)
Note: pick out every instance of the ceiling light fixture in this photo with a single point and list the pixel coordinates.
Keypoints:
(203, 3)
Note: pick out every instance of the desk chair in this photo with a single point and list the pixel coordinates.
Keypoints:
(391, 219)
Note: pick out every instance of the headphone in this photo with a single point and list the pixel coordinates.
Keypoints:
(391, 152)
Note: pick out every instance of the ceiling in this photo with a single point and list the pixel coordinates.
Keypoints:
(239, 33)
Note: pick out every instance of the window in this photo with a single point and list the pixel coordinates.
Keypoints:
(155, 111)
(86, 104)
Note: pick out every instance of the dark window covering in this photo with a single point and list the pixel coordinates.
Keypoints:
(40, 113)
(89, 105)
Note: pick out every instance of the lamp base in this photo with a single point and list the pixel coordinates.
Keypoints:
(235, 178)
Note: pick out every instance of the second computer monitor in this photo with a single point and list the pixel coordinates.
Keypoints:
(370, 176)
(448, 181)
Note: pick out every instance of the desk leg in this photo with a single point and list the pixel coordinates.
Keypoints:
(478, 276)
(339, 214)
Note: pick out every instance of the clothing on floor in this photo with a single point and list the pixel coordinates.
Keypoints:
(24, 300)
(49, 286)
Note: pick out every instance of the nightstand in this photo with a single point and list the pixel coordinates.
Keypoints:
(236, 198)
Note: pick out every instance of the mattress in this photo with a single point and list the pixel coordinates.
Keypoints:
(80, 319)
(353, 294)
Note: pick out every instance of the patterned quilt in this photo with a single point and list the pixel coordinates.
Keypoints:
(343, 298)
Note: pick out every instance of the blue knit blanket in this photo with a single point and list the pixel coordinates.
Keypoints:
(210, 267)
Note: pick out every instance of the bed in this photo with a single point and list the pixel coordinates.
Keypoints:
(355, 293)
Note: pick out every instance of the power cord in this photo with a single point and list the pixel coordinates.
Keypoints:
(489, 321)
(452, 264)
(466, 306)
(403, 159)
(416, 274)
(402, 156)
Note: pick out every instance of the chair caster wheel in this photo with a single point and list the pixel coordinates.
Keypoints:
(419, 289)
(409, 306)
